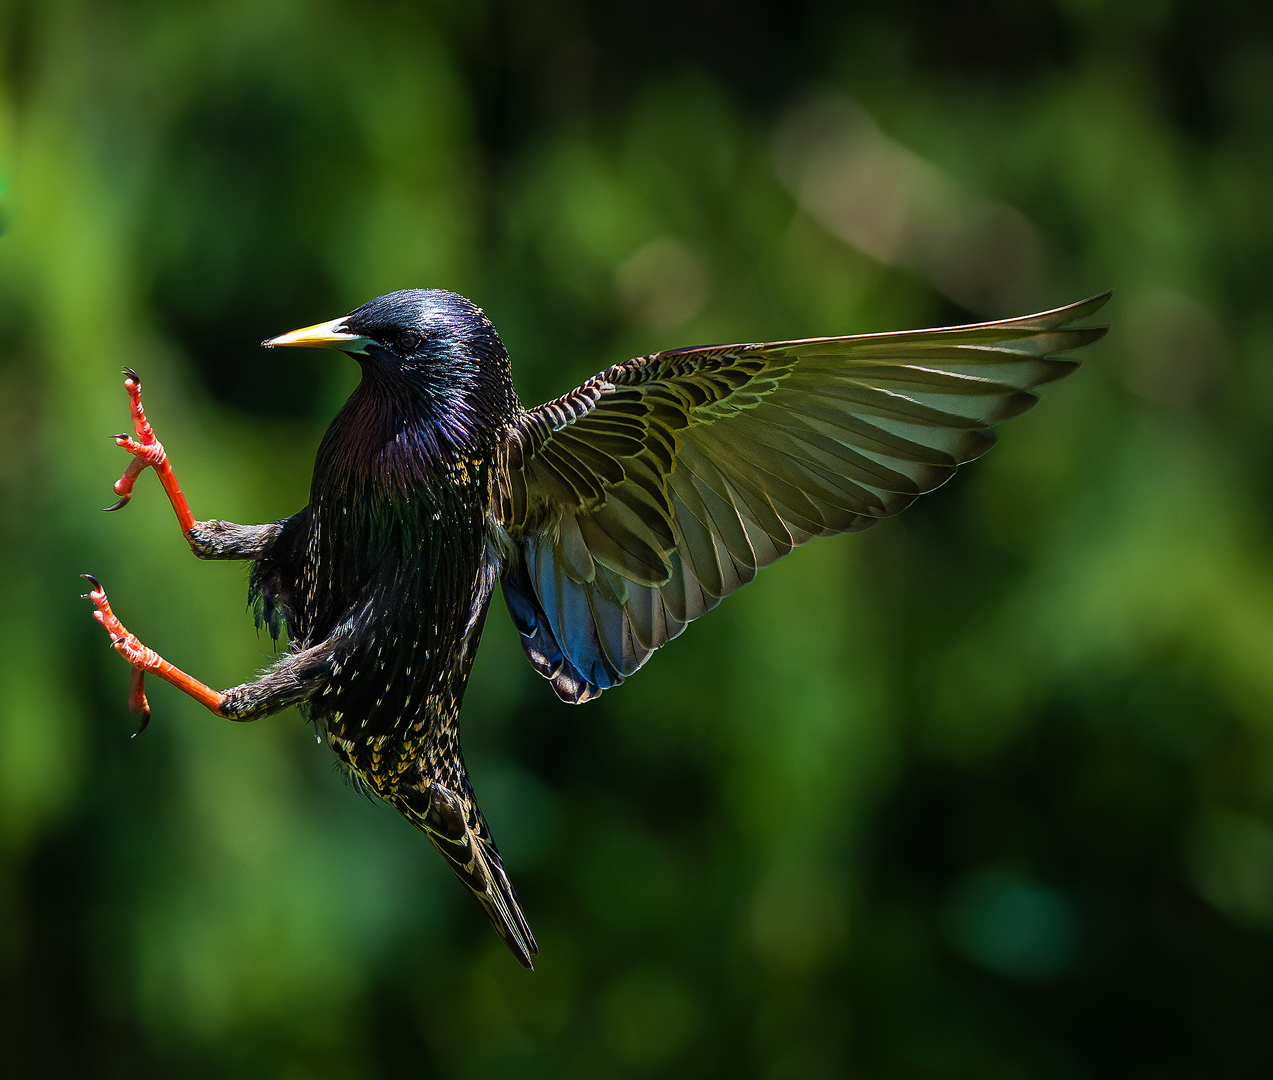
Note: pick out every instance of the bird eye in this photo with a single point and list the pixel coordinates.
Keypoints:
(409, 342)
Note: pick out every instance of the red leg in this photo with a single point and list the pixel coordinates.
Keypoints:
(144, 660)
(148, 451)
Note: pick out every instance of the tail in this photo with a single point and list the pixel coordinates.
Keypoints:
(455, 826)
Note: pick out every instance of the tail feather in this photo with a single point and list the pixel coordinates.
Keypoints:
(456, 828)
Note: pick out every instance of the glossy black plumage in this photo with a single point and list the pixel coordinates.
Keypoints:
(391, 561)
(612, 517)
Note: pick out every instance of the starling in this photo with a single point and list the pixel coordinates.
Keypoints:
(610, 518)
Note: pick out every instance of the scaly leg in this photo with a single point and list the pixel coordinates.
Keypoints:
(144, 660)
(207, 539)
(148, 451)
(295, 678)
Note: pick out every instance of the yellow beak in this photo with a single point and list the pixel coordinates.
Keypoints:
(326, 335)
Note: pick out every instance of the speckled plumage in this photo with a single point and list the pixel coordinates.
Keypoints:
(611, 517)
(390, 570)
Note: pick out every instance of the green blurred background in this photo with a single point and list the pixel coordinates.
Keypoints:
(984, 792)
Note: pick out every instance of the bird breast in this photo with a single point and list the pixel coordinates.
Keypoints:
(410, 577)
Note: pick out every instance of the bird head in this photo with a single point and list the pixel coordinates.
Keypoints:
(413, 330)
(437, 346)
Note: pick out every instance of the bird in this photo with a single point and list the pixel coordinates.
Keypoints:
(610, 518)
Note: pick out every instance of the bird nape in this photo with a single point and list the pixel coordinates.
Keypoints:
(610, 518)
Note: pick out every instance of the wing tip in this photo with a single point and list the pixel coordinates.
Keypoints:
(1058, 317)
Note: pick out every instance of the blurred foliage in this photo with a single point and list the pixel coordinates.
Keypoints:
(984, 792)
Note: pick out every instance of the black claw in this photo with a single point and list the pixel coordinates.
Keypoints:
(132, 375)
(121, 435)
(122, 502)
(145, 719)
(89, 577)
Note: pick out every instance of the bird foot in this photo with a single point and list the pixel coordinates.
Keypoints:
(148, 452)
(138, 655)
(143, 660)
(146, 449)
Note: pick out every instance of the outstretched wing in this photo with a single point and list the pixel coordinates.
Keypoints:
(641, 498)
